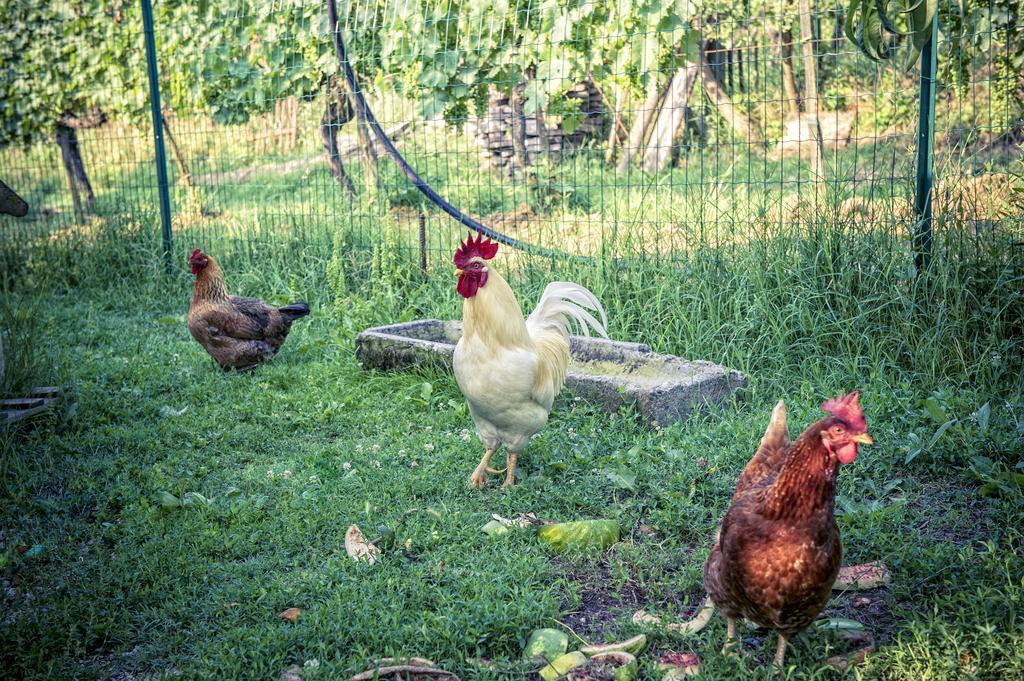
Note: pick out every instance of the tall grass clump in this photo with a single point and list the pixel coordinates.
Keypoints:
(25, 362)
(834, 311)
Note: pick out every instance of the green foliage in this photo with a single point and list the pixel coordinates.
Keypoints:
(877, 27)
(63, 59)
(449, 53)
(979, 34)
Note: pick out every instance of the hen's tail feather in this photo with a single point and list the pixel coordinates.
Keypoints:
(562, 301)
(294, 311)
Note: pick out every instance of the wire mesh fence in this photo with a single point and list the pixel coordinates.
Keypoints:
(649, 129)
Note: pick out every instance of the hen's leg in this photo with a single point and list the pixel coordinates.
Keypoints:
(780, 652)
(479, 477)
(730, 636)
(510, 469)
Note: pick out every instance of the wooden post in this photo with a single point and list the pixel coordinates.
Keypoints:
(788, 74)
(67, 143)
(641, 124)
(517, 102)
(186, 176)
(670, 118)
(613, 134)
(811, 99)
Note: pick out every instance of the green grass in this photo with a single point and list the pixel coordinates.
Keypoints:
(125, 586)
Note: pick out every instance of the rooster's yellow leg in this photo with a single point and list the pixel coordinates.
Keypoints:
(479, 477)
(730, 636)
(510, 469)
(780, 652)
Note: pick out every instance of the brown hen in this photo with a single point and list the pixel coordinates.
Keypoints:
(238, 332)
(778, 550)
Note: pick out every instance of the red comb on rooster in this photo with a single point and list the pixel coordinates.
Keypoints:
(482, 247)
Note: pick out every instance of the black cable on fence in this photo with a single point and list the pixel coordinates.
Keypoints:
(421, 184)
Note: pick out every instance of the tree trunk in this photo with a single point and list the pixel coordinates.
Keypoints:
(728, 67)
(518, 102)
(830, 66)
(78, 181)
(538, 117)
(337, 112)
(817, 41)
(741, 70)
(365, 135)
(613, 134)
(329, 135)
(736, 119)
(811, 98)
(670, 118)
(837, 33)
(186, 176)
(757, 67)
(641, 124)
(542, 134)
(788, 75)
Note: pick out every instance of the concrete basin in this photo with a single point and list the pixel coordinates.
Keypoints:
(664, 388)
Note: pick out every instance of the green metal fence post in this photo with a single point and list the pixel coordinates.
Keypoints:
(925, 149)
(158, 129)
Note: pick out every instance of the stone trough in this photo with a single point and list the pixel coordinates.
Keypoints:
(664, 388)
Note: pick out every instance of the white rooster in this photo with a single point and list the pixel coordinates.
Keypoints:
(511, 369)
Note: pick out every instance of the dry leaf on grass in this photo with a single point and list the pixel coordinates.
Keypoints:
(397, 661)
(293, 673)
(677, 665)
(358, 548)
(619, 666)
(867, 576)
(522, 520)
(857, 657)
(291, 614)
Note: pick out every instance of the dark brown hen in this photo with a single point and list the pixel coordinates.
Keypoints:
(778, 550)
(238, 332)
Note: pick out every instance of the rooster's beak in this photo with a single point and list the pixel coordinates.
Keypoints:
(863, 439)
(458, 273)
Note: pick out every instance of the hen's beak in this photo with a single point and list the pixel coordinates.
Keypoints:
(863, 439)
(458, 273)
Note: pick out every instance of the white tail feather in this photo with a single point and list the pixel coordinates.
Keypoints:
(562, 301)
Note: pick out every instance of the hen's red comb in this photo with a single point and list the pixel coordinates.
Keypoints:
(845, 407)
(195, 253)
(482, 247)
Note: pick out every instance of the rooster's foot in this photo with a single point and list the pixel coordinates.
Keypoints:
(479, 477)
(510, 469)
